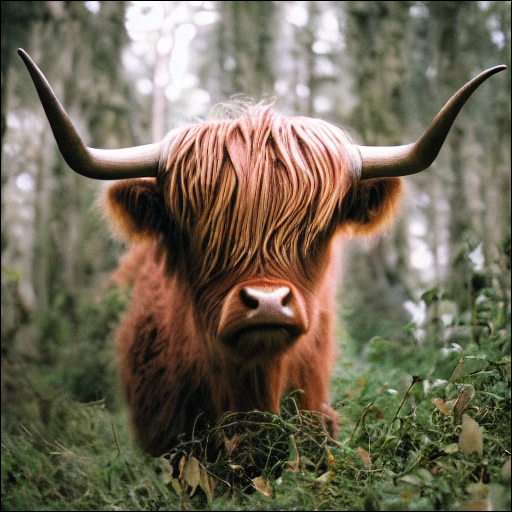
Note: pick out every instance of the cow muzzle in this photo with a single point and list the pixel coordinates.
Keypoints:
(261, 318)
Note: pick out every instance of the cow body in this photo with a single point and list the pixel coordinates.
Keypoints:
(175, 381)
(227, 226)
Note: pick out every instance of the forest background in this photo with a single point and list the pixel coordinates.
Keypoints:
(129, 72)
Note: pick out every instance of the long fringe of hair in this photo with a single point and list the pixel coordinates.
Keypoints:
(256, 192)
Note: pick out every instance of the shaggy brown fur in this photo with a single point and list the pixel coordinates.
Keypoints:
(236, 201)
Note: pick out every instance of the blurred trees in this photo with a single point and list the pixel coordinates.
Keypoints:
(410, 57)
(56, 249)
(128, 72)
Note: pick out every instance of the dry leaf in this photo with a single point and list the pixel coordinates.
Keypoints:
(177, 486)
(191, 474)
(365, 457)
(465, 396)
(412, 480)
(470, 439)
(325, 477)
(262, 486)
(175, 482)
(181, 465)
(330, 458)
(166, 475)
(204, 483)
(441, 406)
(231, 444)
(293, 466)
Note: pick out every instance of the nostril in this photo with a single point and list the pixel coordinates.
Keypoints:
(248, 298)
(287, 298)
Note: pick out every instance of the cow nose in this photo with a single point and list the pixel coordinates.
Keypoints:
(272, 302)
(259, 308)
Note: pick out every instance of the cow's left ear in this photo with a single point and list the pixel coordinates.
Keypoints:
(371, 205)
(136, 209)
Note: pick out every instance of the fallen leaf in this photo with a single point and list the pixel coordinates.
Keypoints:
(181, 465)
(177, 486)
(191, 474)
(204, 483)
(465, 396)
(262, 486)
(470, 438)
(231, 444)
(166, 475)
(330, 458)
(325, 477)
(441, 406)
(365, 457)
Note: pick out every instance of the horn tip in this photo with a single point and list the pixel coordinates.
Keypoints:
(24, 55)
(495, 69)
(492, 71)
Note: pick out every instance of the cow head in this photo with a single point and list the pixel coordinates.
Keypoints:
(245, 209)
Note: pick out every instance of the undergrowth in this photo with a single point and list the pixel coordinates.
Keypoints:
(425, 425)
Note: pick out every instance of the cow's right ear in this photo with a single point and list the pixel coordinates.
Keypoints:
(136, 209)
(371, 206)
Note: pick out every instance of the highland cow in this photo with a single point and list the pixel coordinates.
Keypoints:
(236, 229)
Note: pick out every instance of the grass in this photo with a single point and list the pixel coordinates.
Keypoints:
(401, 445)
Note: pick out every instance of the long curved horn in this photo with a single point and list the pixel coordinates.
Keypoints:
(102, 164)
(392, 161)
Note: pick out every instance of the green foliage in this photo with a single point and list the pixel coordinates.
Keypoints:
(413, 442)
(15, 313)
(87, 367)
(55, 330)
(247, 451)
(410, 400)
(87, 464)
